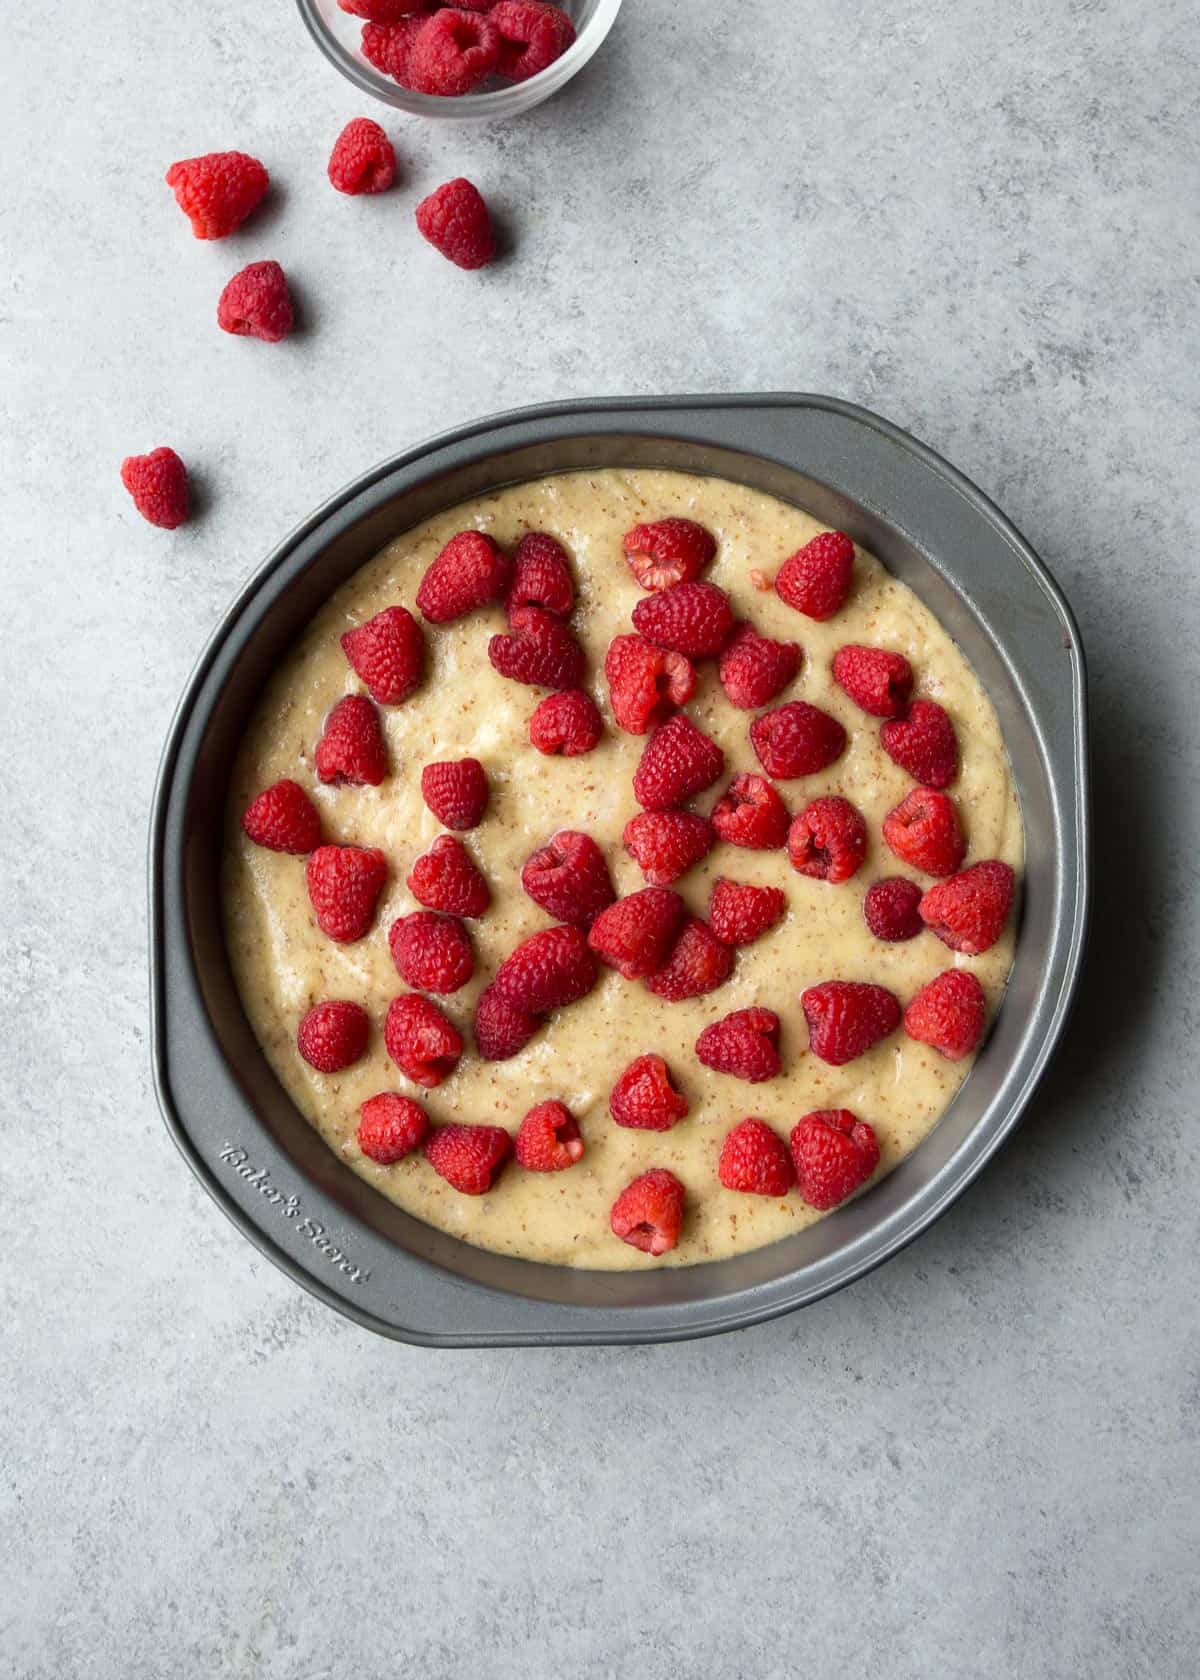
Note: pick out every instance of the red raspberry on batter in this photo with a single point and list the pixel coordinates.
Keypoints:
(569, 879)
(542, 576)
(796, 740)
(344, 884)
(431, 951)
(744, 1044)
(388, 653)
(644, 682)
(846, 1017)
(923, 743)
(256, 303)
(363, 159)
(834, 1154)
(501, 1030)
(890, 909)
(878, 681)
(532, 36)
(644, 1098)
(677, 761)
(948, 1013)
(635, 935)
(828, 840)
(694, 619)
(390, 1127)
(454, 51)
(668, 552)
(754, 1159)
(383, 11)
(968, 912)
(333, 1035)
(648, 1214)
(740, 913)
(158, 483)
(218, 191)
(389, 47)
(455, 221)
(548, 1139)
(456, 791)
(351, 747)
(283, 819)
(665, 844)
(447, 878)
(753, 669)
(566, 723)
(539, 650)
(471, 571)
(750, 813)
(424, 1045)
(698, 963)
(925, 832)
(469, 1158)
(816, 579)
(548, 970)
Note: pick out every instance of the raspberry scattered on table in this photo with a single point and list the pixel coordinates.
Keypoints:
(218, 191)
(363, 159)
(455, 220)
(158, 483)
(256, 303)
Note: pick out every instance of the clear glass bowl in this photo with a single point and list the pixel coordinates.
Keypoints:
(337, 34)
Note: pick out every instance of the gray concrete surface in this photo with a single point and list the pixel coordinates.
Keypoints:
(982, 222)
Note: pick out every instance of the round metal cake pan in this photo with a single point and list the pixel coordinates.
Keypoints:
(244, 1138)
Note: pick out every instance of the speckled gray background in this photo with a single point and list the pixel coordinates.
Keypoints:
(980, 220)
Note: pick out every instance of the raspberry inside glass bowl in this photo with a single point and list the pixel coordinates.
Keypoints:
(338, 34)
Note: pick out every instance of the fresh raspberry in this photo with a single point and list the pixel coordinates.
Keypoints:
(218, 191)
(548, 1138)
(644, 1098)
(468, 1157)
(431, 951)
(548, 970)
(501, 1030)
(388, 653)
(158, 483)
(454, 51)
(351, 747)
(635, 934)
(532, 36)
(698, 963)
(750, 813)
(948, 1013)
(828, 839)
(539, 650)
(834, 1154)
(447, 878)
(668, 552)
(796, 739)
(648, 1213)
(424, 1045)
(665, 844)
(568, 723)
(924, 831)
(568, 878)
(846, 1017)
(890, 909)
(363, 159)
(283, 819)
(344, 884)
(923, 743)
(644, 682)
(542, 576)
(816, 579)
(382, 11)
(389, 46)
(756, 1160)
(740, 913)
(256, 303)
(471, 571)
(753, 669)
(677, 761)
(455, 221)
(968, 912)
(694, 619)
(744, 1044)
(878, 681)
(390, 1127)
(333, 1035)
(456, 791)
